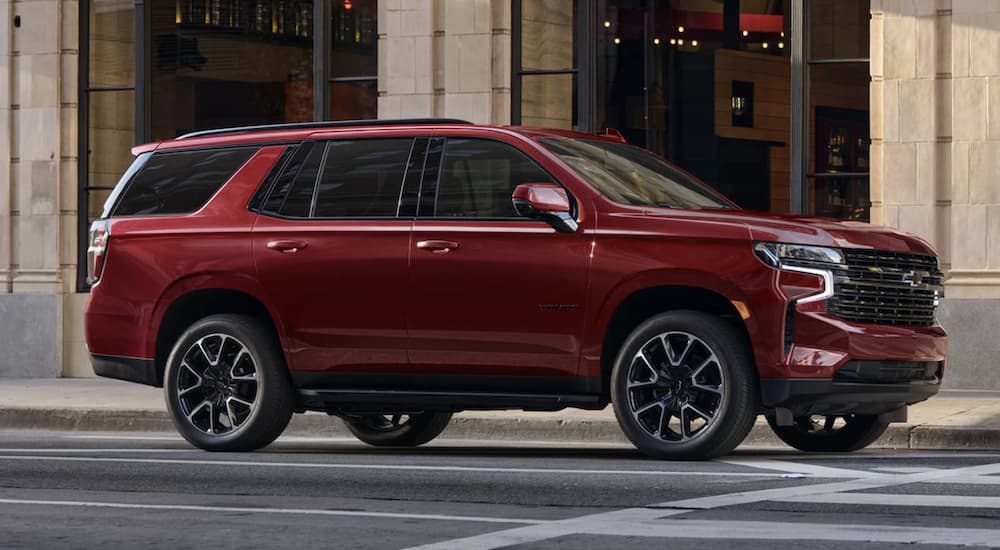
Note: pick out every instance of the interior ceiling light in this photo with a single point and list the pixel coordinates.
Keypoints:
(763, 45)
(607, 24)
(746, 33)
(618, 40)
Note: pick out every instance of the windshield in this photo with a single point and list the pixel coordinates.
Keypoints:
(629, 175)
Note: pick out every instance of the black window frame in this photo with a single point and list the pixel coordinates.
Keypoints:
(271, 182)
(433, 184)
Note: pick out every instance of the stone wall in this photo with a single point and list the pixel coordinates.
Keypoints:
(935, 105)
(38, 75)
(445, 58)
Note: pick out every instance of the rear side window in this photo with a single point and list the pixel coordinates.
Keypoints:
(478, 177)
(292, 194)
(181, 182)
(362, 178)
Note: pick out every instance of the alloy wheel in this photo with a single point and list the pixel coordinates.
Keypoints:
(217, 385)
(675, 387)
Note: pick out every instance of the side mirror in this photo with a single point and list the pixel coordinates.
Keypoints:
(547, 202)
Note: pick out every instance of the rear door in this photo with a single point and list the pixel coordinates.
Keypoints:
(332, 251)
(497, 300)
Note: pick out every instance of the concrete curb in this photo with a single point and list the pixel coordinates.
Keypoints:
(474, 427)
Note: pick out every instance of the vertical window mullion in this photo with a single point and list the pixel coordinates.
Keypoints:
(83, 143)
(322, 48)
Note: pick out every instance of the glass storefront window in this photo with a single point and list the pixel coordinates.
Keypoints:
(705, 87)
(839, 121)
(838, 29)
(547, 65)
(107, 108)
(221, 63)
(708, 85)
(354, 60)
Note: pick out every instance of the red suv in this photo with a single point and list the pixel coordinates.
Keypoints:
(394, 272)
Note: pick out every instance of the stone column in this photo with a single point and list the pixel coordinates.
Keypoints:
(445, 58)
(6, 78)
(36, 147)
(31, 322)
(936, 158)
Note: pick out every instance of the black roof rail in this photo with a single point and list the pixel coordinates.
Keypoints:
(322, 125)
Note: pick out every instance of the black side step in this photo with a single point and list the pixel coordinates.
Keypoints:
(379, 401)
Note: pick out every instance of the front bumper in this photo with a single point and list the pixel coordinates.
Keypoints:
(827, 397)
(833, 366)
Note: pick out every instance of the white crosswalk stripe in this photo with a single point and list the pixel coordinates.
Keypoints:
(649, 521)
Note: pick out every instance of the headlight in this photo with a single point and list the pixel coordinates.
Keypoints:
(779, 255)
(802, 258)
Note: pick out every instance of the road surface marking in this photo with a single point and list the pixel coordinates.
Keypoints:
(257, 510)
(408, 467)
(811, 470)
(764, 530)
(891, 499)
(640, 521)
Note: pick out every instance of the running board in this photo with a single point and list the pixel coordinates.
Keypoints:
(381, 401)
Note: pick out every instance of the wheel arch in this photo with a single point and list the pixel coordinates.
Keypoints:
(191, 300)
(642, 302)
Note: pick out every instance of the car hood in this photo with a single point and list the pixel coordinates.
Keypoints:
(809, 230)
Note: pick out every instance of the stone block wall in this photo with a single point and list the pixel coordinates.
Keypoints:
(38, 163)
(445, 58)
(935, 107)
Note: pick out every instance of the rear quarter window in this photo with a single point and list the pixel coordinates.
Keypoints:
(181, 182)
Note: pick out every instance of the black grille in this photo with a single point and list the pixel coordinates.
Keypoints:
(886, 288)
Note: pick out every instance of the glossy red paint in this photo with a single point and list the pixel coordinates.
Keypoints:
(478, 297)
(542, 197)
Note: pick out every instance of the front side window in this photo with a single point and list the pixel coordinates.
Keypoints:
(478, 177)
(629, 175)
(181, 182)
(362, 178)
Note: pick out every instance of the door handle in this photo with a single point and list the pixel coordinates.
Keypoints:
(437, 247)
(286, 247)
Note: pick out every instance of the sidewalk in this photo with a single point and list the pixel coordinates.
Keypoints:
(955, 419)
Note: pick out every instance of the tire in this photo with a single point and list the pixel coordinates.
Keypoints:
(856, 431)
(695, 402)
(398, 430)
(226, 384)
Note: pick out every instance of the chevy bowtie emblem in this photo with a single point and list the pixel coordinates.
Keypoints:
(915, 278)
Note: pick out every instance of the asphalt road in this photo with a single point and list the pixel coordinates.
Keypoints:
(70, 490)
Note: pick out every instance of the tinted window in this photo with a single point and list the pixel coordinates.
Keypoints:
(180, 183)
(478, 177)
(362, 178)
(629, 175)
(272, 176)
(293, 190)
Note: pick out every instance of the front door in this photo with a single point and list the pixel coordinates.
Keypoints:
(496, 300)
(332, 253)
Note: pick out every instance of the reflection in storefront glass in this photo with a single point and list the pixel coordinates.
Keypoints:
(222, 63)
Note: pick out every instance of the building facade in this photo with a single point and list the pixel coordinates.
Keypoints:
(884, 111)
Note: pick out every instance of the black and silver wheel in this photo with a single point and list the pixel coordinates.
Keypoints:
(397, 430)
(683, 387)
(226, 384)
(831, 433)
